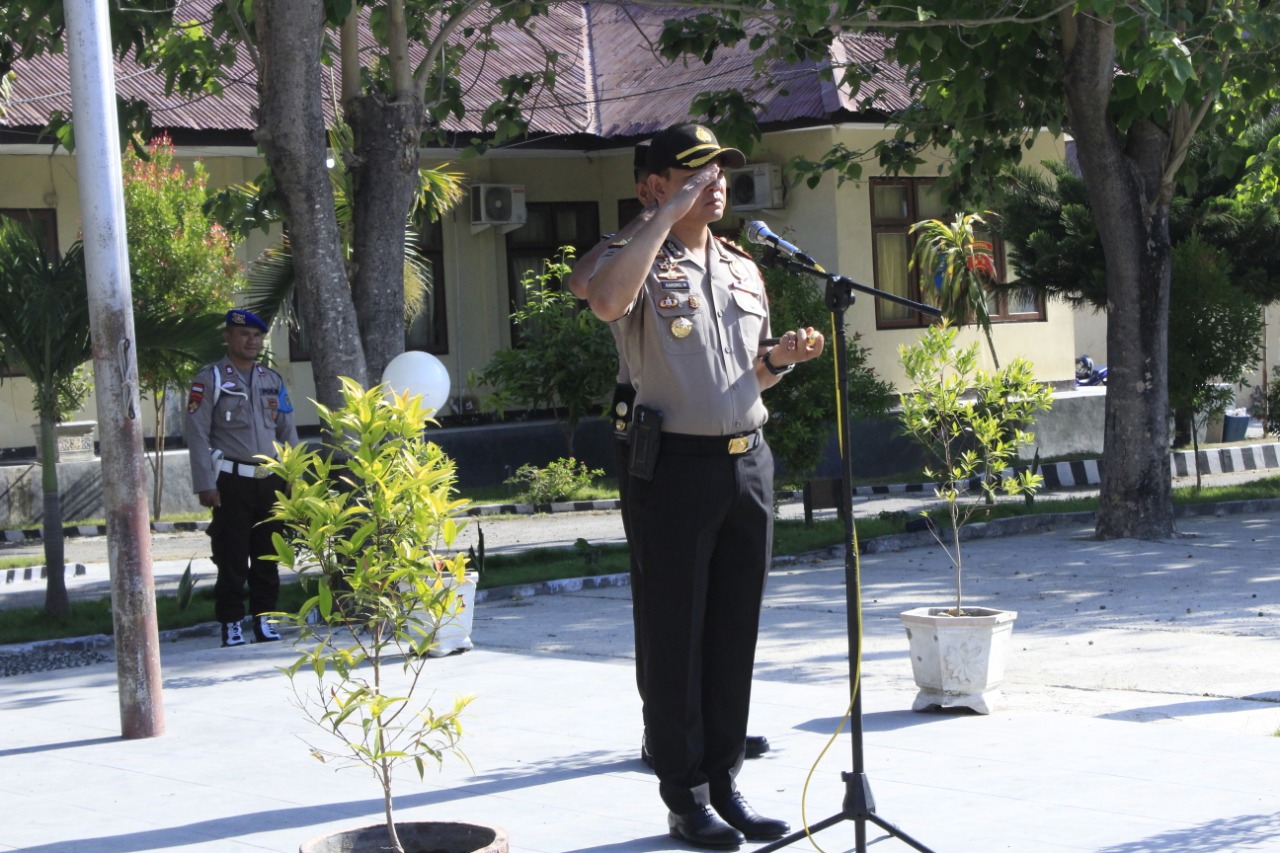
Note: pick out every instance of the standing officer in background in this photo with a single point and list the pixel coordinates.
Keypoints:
(624, 397)
(236, 410)
(691, 312)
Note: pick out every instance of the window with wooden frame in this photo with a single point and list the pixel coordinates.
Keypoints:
(896, 205)
(549, 226)
(429, 330)
(41, 221)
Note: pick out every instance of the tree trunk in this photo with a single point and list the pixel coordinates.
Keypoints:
(385, 178)
(56, 602)
(1123, 179)
(292, 134)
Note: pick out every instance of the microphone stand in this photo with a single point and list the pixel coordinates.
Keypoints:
(859, 805)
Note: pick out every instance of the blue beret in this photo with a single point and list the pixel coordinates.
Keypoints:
(240, 317)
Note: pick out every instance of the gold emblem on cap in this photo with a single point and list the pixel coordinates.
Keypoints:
(703, 135)
(681, 327)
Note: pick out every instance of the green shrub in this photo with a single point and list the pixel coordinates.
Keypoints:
(561, 480)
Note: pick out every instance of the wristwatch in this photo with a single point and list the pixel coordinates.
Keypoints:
(775, 370)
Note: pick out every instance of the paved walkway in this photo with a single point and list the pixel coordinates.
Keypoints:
(1140, 713)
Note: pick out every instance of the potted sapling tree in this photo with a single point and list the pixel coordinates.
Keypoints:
(369, 521)
(971, 423)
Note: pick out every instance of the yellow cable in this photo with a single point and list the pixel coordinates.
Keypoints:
(857, 566)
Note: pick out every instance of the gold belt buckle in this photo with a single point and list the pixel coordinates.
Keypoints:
(739, 444)
(260, 473)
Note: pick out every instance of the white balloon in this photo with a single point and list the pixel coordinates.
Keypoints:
(415, 373)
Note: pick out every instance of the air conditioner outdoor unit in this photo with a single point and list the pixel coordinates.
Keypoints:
(497, 204)
(757, 187)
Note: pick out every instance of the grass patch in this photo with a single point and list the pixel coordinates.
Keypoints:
(791, 537)
(193, 515)
(547, 564)
(603, 489)
(1267, 487)
(90, 617)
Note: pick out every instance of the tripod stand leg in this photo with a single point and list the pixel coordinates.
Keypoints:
(803, 833)
(860, 807)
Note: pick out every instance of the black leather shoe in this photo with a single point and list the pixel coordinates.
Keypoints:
(702, 828)
(742, 817)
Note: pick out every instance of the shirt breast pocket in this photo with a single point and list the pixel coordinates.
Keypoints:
(270, 409)
(751, 317)
(683, 328)
(232, 409)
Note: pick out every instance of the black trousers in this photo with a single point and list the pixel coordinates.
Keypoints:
(239, 538)
(702, 531)
(621, 462)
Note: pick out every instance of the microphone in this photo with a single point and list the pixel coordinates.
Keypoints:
(758, 232)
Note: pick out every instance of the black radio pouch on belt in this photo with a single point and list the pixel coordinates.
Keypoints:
(646, 434)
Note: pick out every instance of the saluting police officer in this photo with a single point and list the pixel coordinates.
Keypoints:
(691, 312)
(236, 410)
(620, 410)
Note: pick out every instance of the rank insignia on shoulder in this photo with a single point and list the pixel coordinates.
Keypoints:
(618, 244)
(733, 247)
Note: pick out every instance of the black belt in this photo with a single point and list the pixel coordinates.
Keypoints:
(710, 445)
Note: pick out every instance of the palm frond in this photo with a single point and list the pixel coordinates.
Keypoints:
(271, 281)
(439, 191)
(44, 310)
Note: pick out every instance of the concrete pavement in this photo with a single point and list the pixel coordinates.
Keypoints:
(1140, 713)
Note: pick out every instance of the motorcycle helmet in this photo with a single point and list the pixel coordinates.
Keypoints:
(1084, 367)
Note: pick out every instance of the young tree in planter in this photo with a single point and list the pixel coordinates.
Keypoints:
(565, 359)
(971, 423)
(369, 519)
(181, 264)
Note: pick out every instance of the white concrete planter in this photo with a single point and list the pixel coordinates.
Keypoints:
(73, 441)
(453, 633)
(958, 661)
